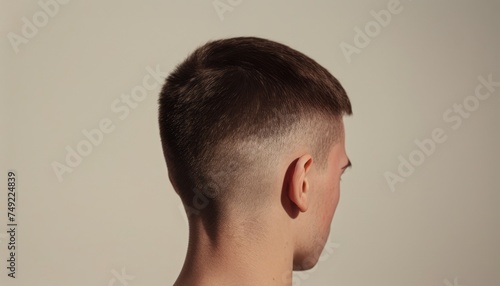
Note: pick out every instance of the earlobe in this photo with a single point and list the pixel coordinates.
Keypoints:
(299, 187)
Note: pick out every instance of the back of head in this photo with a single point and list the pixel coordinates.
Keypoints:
(230, 111)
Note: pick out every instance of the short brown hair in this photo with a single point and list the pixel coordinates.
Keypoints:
(232, 105)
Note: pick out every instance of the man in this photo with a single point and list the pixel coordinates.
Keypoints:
(253, 137)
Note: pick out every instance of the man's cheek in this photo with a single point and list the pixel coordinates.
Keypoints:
(335, 201)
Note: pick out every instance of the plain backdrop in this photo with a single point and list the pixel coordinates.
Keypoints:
(114, 213)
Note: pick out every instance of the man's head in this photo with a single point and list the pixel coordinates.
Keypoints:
(252, 133)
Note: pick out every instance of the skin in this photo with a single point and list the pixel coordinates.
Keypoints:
(289, 235)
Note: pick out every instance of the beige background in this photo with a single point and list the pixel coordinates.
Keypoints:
(116, 210)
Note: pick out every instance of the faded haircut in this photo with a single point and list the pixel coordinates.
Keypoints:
(229, 112)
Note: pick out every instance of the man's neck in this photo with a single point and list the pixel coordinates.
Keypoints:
(238, 256)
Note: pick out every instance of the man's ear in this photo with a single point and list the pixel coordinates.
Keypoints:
(298, 192)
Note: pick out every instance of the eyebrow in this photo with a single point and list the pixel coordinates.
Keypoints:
(348, 164)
